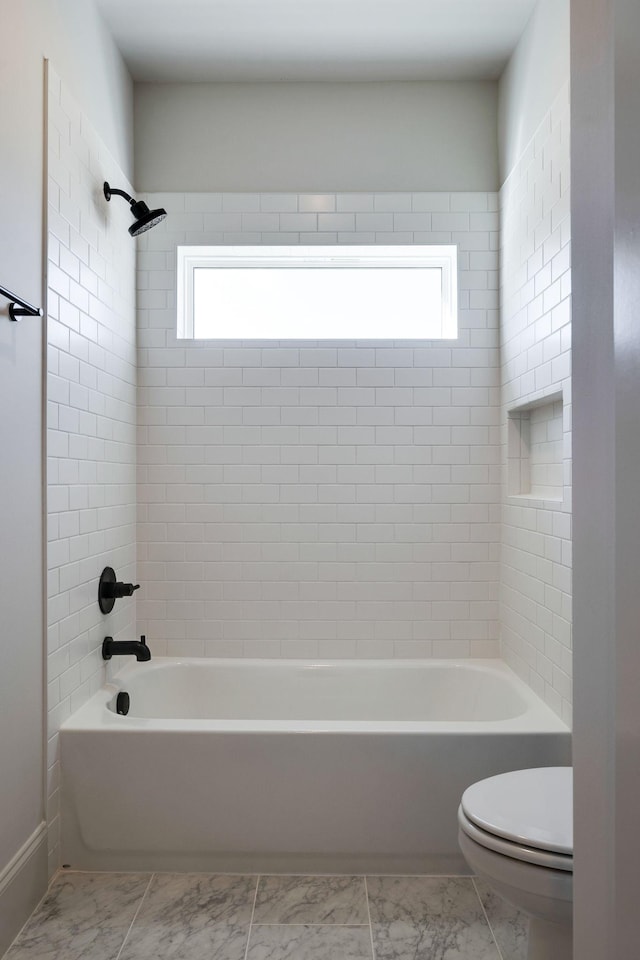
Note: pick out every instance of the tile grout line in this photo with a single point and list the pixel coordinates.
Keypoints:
(482, 907)
(253, 910)
(366, 897)
(310, 923)
(135, 916)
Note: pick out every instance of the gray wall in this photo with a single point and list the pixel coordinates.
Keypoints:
(536, 72)
(316, 137)
(605, 81)
(71, 34)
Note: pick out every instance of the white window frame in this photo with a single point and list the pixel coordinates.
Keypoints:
(191, 258)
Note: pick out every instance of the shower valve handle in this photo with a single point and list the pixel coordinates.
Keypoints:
(124, 589)
(111, 589)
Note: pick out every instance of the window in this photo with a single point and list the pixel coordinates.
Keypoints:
(317, 293)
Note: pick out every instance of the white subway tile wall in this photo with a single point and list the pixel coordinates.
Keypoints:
(91, 419)
(535, 343)
(314, 498)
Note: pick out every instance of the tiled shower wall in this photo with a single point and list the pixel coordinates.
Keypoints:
(91, 389)
(316, 498)
(535, 607)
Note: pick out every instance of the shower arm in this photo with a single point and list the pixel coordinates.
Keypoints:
(110, 191)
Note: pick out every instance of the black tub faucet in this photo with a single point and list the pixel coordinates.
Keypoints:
(138, 648)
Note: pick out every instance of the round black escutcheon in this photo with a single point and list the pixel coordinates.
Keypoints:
(106, 598)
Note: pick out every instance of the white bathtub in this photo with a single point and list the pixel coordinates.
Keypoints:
(267, 766)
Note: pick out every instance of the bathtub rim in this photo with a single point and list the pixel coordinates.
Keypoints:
(95, 715)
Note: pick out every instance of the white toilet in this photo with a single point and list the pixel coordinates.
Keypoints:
(516, 832)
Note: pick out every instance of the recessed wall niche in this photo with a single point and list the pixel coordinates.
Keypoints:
(535, 449)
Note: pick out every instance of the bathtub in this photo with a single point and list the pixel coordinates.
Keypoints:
(292, 766)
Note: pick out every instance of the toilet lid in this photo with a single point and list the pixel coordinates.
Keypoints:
(531, 807)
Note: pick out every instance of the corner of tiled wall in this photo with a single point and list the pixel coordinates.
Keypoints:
(535, 344)
(91, 402)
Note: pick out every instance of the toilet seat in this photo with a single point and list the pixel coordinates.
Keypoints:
(516, 851)
(526, 815)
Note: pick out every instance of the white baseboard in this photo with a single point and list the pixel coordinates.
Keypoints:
(23, 883)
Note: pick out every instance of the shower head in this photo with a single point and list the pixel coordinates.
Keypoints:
(144, 218)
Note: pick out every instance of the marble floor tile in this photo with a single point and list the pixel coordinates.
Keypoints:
(194, 916)
(428, 918)
(311, 900)
(308, 942)
(510, 926)
(83, 915)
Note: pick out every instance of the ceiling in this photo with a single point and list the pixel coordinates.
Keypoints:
(272, 40)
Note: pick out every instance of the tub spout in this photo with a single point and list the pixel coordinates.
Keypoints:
(137, 648)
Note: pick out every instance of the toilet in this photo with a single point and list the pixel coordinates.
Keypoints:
(516, 833)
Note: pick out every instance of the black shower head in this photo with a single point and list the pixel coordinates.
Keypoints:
(144, 218)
